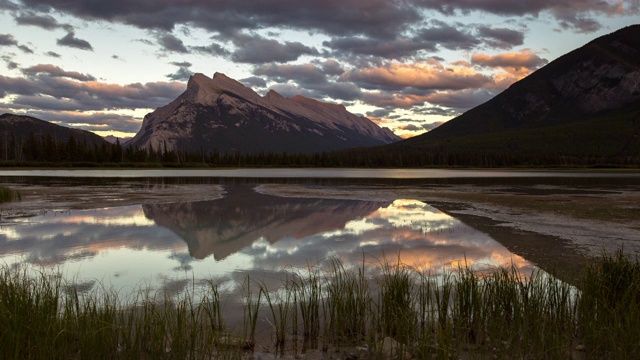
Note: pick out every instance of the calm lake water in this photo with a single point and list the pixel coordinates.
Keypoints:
(319, 173)
(175, 247)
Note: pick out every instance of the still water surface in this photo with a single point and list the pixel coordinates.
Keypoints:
(318, 173)
(175, 247)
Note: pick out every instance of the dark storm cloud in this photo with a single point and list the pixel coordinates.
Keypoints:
(392, 48)
(432, 126)
(48, 92)
(8, 60)
(258, 50)
(462, 99)
(71, 40)
(379, 113)
(181, 63)
(375, 18)
(389, 99)
(96, 121)
(254, 82)
(580, 24)
(331, 67)
(501, 37)
(171, 43)
(212, 49)
(410, 127)
(25, 49)
(7, 40)
(365, 28)
(435, 110)
(46, 22)
(449, 37)
(17, 85)
(27, 102)
(56, 71)
(304, 73)
(310, 80)
(290, 90)
(145, 41)
(362, 36)
(427, 39)
(183, 73)
(532, 7)
(341, 91)
(571, 14)
(8, 5)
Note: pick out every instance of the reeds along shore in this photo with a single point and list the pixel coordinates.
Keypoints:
(7, 195)
(402, 313)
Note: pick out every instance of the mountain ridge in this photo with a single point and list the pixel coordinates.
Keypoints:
(588, 94)
(222, 114)
(23, 126)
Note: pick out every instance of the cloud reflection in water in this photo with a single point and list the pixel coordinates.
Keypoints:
(244, 233)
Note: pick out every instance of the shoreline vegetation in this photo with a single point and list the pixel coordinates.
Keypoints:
(7, 195)
(401, 313)
(45, 151)
(308, 161)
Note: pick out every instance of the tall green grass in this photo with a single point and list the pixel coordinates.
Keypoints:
(7, 194)
(400, 313)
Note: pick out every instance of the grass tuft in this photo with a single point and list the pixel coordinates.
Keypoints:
(7, 195)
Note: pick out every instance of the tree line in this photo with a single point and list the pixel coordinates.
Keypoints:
(44, 150)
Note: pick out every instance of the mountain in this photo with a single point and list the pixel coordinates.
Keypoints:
(583, 105)
(113, 139)
(222, 114)
(22, 127)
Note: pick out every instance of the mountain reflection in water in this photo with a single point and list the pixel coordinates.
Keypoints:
(245, 233)
(225, 226)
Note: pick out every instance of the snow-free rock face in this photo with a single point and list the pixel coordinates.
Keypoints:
(22, 127)
(600, 78)
(224, 115)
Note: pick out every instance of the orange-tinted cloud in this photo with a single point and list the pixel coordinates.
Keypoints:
(525, 59)
(425, 76)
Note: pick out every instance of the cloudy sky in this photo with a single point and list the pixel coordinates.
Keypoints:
(407, 64)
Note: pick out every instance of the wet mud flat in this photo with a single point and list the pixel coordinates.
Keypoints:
(41, 198)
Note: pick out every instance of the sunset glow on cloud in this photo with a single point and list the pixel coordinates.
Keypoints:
(409, 64)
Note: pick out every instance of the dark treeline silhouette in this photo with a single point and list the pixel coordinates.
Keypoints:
(46, 151)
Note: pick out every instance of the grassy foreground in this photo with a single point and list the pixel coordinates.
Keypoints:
(402, 313)
(7, 195)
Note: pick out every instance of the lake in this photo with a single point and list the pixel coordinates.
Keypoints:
(244, 227)
(178, 234)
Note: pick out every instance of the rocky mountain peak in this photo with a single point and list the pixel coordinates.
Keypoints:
(221, 113)
(272, 95)
(204, 90)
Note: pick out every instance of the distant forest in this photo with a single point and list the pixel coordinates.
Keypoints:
(45, 151)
